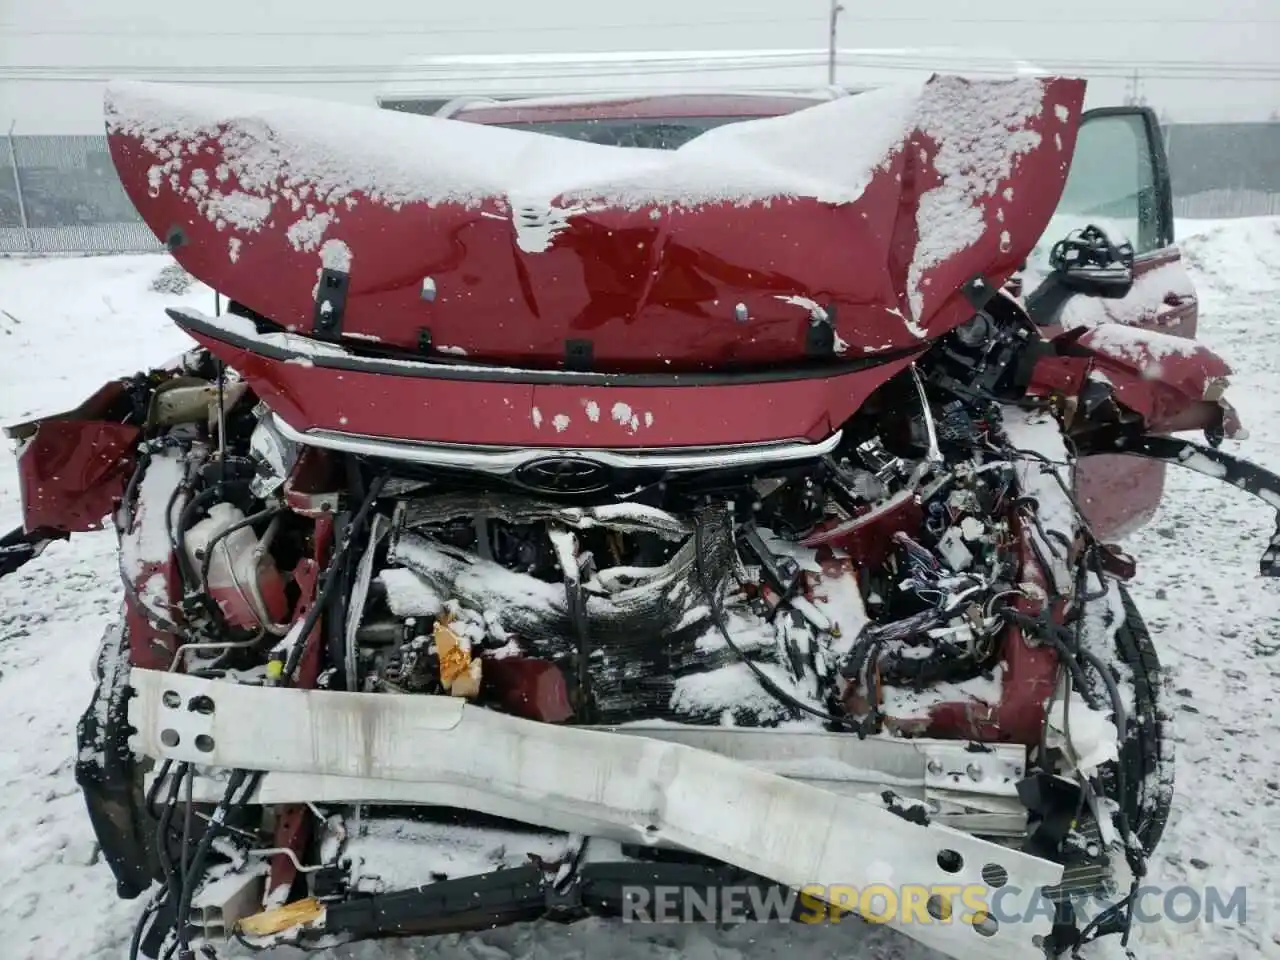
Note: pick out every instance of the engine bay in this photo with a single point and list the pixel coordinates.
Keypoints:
(916, 619)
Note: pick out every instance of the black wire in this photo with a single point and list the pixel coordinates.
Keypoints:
(222, 408)
(131, 490)
(154, 790)
(1126, 901)
(296, 944)
(718, 618)
(139, 928)
(196, 867)
(1066, 491)
(1072, 659)
(326, 581)
(1113, 691)
(239, 938)
(178, 490)
(172, 887)
(186, 824)
(179, 534)
(157, 623)
(1049, 633)
(223, 534)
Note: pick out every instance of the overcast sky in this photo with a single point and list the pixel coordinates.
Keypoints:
(1195, 60)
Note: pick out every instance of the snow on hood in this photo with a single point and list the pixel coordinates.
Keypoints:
(275, 148)
(880, 205)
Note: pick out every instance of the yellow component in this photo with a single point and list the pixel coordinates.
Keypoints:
(275, 669)
(296, 914)
(459, 674)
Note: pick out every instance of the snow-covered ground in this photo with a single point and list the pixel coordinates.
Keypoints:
(68, 324)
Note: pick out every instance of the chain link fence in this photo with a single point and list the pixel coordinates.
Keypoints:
(60, 194)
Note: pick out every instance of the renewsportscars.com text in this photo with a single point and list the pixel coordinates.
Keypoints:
(913, 903)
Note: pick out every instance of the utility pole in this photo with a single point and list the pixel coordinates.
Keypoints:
(1135, 98)
(836, 10)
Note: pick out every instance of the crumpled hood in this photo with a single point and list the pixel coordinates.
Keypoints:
(871, 212)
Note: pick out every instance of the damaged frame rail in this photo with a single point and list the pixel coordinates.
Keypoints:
(1206, 460)
(632, 789)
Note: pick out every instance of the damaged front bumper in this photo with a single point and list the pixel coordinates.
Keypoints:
(634, 790)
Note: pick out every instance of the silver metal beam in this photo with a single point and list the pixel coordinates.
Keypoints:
(635, 789)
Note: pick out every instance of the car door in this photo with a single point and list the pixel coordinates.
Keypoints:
(1119, 181)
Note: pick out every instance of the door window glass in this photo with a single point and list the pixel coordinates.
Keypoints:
(1112, 184)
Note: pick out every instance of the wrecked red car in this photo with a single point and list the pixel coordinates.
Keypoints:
(599, 500)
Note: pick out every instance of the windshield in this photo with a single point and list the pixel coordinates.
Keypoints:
(656, 133)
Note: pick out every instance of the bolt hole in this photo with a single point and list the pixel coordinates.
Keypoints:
(170, 738)
(995, 875)
(171, 699)
(202, 705)
(985, 924)
(204, 743)
(950, 861)
(938, 908)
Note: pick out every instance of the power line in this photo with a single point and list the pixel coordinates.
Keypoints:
(677, 63)
(681, 60)
(93, 27)
(387, 30)
(321, 78)
(1169, 69)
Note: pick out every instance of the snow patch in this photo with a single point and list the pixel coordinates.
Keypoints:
(1039, 433)
(272, 148)
(400, 854)
(1139, 346)
(1092, 739)
(335, 255)
(305, 235)
(980, 128)
(624, 417)
(240, 210)
(816, 311)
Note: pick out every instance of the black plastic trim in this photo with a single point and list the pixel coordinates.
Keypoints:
(193, 323)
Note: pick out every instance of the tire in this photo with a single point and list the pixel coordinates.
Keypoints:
(109, 776)
(1147, 754)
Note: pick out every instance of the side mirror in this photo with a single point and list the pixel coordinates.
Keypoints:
(1089, 262)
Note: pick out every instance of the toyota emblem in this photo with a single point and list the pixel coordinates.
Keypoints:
(564, 475)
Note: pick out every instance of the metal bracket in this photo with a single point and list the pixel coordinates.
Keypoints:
(979, 291)
(634, 789)
(579, 355)
(175, 238)
(331, 301)
(972, 768)
(820, 337)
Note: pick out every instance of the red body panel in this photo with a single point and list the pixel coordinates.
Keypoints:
(311, 395)
(1120, 494)
(657, 287)
(73, 472)
(1029, 675)
(73, 467)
